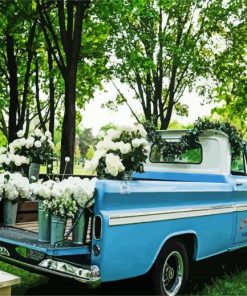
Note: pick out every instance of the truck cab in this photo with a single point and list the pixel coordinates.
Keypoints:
(180, 209)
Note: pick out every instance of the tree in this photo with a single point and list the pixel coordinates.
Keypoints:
(18, 25)
(159, 48)
(230, 70)
(65, 48)
(85, 140)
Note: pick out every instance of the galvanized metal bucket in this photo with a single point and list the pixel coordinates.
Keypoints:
(57, 229)
(33, 172)
(9, 212)
(44, 218)
(79, 230)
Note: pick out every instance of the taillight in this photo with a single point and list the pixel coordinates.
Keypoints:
(97, 227)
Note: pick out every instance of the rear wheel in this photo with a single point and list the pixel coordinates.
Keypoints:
(171, 269)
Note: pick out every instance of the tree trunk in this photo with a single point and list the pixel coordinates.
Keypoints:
(13, 88)
(69, 124)
(51, 95)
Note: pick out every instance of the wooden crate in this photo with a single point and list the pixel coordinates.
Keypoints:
(27, 211)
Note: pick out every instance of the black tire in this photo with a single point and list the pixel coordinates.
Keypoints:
(171, 269)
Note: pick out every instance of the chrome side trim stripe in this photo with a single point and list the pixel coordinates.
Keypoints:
(144, 217)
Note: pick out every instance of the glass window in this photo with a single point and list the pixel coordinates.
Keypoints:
(237, 165)
(192, 155)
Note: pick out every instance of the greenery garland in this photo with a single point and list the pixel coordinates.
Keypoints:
(190, 139)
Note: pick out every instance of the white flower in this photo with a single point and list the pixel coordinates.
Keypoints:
(51, 144)
(17, 160)
(37, 144)
(107, 144)
(49, 166)
(100, 134)
(15, 186)
(123, 147)
(67, 159)
(113, 164)
(113, 134)
(48, 134)
(20, 134)
(2, 158)
(139, 142)
(142, 130)
(30, 142)
(91, 165)
(43, 138)
(3, 150)
(38, 133)
(10, 191)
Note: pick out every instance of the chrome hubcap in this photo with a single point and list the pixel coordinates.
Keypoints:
(172, 274)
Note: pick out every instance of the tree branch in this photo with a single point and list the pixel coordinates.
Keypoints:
(61, 18)
(125, 100)
(27, 74)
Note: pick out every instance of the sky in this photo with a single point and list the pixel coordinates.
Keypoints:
(94, 116)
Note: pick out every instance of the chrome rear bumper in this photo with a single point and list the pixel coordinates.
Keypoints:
(91, 275)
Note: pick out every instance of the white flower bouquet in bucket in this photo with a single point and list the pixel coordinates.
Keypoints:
(24, 152)
(43, 193)
(63, 200)
(13, 163)
(121, 151)
(13, 187)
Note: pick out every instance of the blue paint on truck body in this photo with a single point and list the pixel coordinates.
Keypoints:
(138, 221)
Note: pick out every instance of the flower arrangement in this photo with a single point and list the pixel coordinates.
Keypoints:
(13, 162)
(123, 149)
(37, 148)
(14, 186)
(21, 152)
(64, 198)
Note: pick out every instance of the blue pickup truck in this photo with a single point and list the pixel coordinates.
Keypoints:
(180, 209)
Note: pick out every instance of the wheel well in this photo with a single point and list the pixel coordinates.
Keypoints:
(190, 242)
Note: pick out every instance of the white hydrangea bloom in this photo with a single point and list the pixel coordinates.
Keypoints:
(37, 144)
(20, 133)
(43, 139)
(48, 134)
(15, 186)
(30, 142)
(38, 133)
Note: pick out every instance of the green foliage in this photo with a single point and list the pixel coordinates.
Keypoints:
(189, 141)
(85, 141)
(229, 64)
(160, 48)
(90, 152)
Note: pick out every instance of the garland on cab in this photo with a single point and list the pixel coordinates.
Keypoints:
(190, 139)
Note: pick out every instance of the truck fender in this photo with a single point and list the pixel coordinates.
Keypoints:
(188, 237)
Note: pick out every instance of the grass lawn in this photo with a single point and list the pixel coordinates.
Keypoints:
(235, 284)
(77, 169)
(28, 279)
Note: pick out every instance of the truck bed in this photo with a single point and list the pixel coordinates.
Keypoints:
(29, 239)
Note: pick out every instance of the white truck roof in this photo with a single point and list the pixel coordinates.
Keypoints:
(216, 154)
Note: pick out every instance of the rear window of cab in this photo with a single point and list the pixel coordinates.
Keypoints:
(190, 156)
